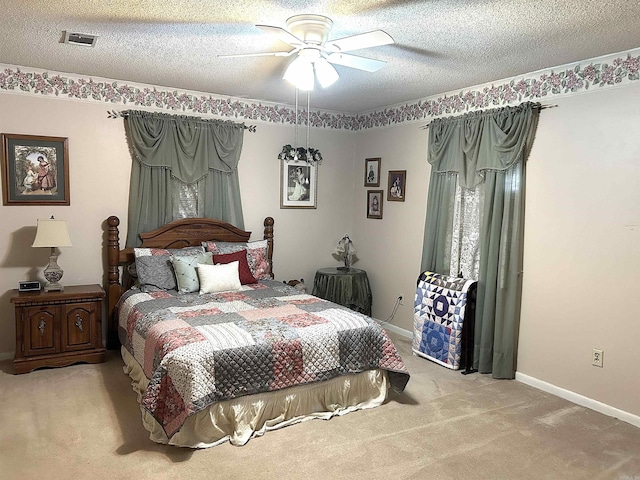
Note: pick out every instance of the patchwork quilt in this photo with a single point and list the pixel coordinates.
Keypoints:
(199, 349)
(438, 317)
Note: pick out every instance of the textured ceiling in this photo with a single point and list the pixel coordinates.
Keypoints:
(441, 45)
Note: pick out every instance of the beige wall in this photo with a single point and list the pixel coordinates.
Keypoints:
(99, 184)
(390, 249)
(582, 248)
(582, 241)
(581, 238)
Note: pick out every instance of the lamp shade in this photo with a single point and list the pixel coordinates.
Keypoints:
(52, 233)
(325, 72)
(300, 74)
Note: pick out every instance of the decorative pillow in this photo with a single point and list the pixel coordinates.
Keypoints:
(219, 278)
(153, 266)
(185, 269)
(256, 254)
(243, 266)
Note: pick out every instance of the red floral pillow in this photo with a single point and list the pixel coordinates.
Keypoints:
(243, 266)
(256, 255)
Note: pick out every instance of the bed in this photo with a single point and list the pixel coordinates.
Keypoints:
(212, 363)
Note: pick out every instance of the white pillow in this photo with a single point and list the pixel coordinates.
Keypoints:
(219, 278)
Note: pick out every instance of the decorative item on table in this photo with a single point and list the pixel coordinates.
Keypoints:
(345, 251)
(52, 233)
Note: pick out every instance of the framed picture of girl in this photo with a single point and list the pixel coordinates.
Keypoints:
(396, 185)
(372, 172)
(298, 184)
(374, 203)
(35, 170)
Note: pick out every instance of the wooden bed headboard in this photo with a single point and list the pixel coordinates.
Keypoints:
(181, 233)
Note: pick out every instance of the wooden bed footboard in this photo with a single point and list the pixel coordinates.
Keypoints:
(177, 234)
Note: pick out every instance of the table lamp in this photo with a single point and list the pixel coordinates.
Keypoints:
(345, 251)
(52, 233)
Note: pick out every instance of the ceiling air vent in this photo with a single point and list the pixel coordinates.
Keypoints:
(82, 39)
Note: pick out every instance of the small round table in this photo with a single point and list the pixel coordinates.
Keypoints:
(349, 288)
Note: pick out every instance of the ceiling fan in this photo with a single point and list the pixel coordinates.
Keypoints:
(308, 35)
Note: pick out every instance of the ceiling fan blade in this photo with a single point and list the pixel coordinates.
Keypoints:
(355, 61)
(265, 54)
(362, 40)
(282, 34)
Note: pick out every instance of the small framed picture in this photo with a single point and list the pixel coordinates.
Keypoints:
(374, 203)
(372, 172)
(397, 185)
(35, 170)
(298, 184)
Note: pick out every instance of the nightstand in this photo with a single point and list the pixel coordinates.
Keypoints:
(56, 329)
(349, 288)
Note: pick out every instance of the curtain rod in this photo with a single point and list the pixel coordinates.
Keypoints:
(125, 114)
(542, 107)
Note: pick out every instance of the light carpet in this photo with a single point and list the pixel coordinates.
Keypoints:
(83, 422)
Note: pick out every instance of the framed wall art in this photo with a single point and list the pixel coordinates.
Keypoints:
(372, 172)
(35, 170)
(374, 203)
(396, 185)
(298, 184)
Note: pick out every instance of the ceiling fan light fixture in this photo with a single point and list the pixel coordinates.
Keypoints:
(300, 73)
(311, 29)
(325, 73)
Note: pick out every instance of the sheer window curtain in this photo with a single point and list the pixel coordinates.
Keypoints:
(475, 219)
(182, 167)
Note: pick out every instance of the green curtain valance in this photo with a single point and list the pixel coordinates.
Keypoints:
(180, 159)
(188, 146)
(471, 144)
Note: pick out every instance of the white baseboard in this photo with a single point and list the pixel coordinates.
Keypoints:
(549, 388)
(392, 328)
(579, 399)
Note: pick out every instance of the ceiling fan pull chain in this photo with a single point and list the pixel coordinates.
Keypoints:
(308, 109)
(296, 134)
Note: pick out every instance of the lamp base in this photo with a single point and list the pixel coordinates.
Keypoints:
(53, 287)
(53, 273)
(344, 268)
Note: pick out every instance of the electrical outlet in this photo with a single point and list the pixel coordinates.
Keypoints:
(597, 359)
(401, 299)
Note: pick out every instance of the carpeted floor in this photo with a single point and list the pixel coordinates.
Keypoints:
(83, 422)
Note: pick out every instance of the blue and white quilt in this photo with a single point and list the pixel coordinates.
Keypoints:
(439, 312)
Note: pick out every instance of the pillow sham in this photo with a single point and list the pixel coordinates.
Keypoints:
(184, 267)
(243, 266)
(256, 255)
(219, 278)
(153, 266)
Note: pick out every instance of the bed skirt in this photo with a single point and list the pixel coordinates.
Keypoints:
(240, 419)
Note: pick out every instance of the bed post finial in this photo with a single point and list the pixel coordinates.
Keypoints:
(114, 289)
(268, 236)
(113, 249)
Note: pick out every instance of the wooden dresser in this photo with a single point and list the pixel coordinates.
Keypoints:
(56, 329)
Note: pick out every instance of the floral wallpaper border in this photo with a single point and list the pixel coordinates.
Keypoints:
(569, 79)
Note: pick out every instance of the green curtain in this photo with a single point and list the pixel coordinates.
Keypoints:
(485, 150)
(171, 151)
